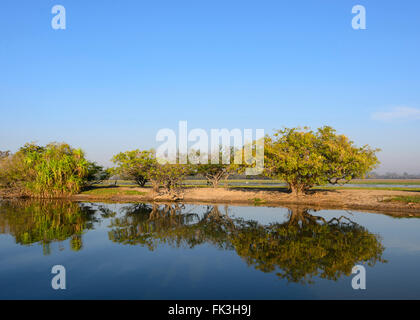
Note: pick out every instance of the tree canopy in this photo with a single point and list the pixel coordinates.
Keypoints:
(215, 172)
(305, 158)
(51, 171)
(135, 165)
(143, 166)
(301, 157)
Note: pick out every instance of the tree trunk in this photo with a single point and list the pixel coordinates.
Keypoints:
(296, 189)
(215, 183)
(141, 181)
(300, 215)
(155, 186)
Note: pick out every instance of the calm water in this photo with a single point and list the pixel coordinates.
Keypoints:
(144, 251)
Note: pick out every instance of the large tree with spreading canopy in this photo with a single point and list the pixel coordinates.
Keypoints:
(305, 158)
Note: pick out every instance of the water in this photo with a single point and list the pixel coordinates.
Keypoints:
(145, 251)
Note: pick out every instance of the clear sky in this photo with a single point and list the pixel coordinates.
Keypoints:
(122, 70)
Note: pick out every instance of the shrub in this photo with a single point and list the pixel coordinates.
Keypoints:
(52, 171)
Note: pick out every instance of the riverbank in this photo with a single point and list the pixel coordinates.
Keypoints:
(377, 200)
(390, 201)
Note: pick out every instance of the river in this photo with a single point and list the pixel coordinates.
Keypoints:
(187, 251)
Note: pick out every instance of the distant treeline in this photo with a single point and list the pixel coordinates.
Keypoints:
(394, 175)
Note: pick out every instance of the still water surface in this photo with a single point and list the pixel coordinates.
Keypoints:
(184, 251)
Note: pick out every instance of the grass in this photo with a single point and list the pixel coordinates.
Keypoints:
(101, 190)
(109, 191)
(268, 183)
(408, 182)
(371, 188)
(327, 188)
(257, 201)
(404, 199)
(263, 181)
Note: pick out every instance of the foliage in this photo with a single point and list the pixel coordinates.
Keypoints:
(169, 176)
(307, 246)
(150, 226)
(215, 172)
(304, 158)
(54, 170)
(142, 166)
(45, 222)
(97, 174)
(299, 249)
(135, 165)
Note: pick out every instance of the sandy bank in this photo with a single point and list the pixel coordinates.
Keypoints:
(366, 200)
(371, 200)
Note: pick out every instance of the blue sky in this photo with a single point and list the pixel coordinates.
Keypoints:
(122, 70)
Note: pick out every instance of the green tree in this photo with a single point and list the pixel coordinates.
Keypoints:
(169, 176)
(4, 155)
(52, 171)
(134, 165)
(97, 174)
(304, 158)
(12, 171)
(221, 170)
(214, 173)
(142, 166)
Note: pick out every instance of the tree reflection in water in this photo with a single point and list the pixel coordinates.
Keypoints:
(46, 221)
(303, 247)
(151, 225)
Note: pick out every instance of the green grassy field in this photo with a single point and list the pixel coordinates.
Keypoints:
(404, 199)
(107, 191)
(370, 188)
(412, 182)
(270, 184)
(331, 188)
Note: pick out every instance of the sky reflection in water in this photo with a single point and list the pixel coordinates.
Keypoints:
(146, 251)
